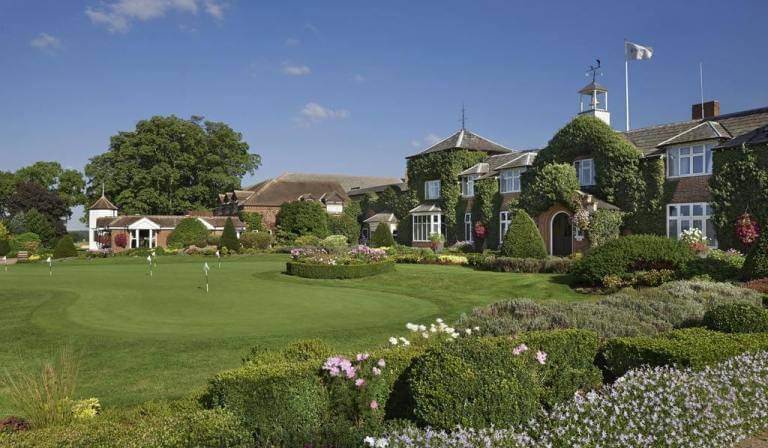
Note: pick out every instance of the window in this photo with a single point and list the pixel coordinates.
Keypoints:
(468, 229)
(504, 221)
(509, 180)
(432, 189)
(693, 160)
(468, 185)
(585, 171)
(425, 225)
(681, 217)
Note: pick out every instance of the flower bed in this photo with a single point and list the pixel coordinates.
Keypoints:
(360, 261)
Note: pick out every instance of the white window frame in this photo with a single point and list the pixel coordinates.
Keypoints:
(505, 219)
(685, 156)
(509, 180)
(468, 228)
(582, 167)
(468, 185)
(424, 225)
(432, 189)
(684, 217)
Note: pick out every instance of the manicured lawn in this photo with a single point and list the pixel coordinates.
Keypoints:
(161, 337)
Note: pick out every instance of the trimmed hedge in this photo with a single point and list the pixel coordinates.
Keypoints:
(326, 271)
(692, 347)
(737, 318)
(554, 265)
(256, 240)
(523, 239)
(65, 248)
(632, 253)
(382, 236)
(189, 232)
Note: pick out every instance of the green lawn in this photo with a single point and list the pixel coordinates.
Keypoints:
(161, 337)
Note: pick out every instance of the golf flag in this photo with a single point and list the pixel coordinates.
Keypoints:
(50, 266)
(635, 52)
(206, 269)
(218, 257)
(149, 261)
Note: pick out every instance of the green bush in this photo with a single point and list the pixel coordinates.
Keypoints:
(547, 185)
(5, 247)
(65, 248)
(737, 318)
(474, 382)
(632, 253)
(327, 271)
(282, 403)
(40, 225)
(693, 347)
(256, 240)
(718, 265)
(382, 236)
(756, 263)
(346, 225)
(554, 265)
(307, 241)
(253, 221)
(604, 226)
(523, 239)
(303, 218)
(335, 243)
(189, 232)
(27, 241)
(229, 238)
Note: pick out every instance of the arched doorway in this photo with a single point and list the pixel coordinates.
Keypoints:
(561, 237)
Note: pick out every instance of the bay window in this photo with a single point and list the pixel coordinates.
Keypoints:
(695, 160)
(509, 180)
(698, 215)
(468, 185)
(425, 225)
(585, 172)
(432, 189)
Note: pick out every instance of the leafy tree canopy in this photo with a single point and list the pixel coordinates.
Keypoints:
(303, 218)
(39, 224)
(189, 232)
(169, 165)
(31, 195)
(67, 183)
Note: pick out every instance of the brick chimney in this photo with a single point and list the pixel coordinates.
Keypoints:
(711, 109)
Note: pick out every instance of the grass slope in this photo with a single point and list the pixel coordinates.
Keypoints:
(162, 336)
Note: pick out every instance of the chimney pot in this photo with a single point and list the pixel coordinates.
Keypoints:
(711, 109)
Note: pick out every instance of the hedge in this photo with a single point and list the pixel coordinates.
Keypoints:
(554, 265)
(382, 236)
(630, 254)
(256, 240)
(325, 271)
(692, 347)
(189, 232)
(737, 318)
(65, 248)
(756, 263)
(523, 239)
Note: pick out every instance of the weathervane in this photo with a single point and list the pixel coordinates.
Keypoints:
(594, 70)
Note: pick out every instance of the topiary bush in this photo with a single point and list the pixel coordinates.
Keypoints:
(341, 271)
(229, 238)
(632, 253)
(737, 318)
(756, 263)
(382, 236)
(256, 240)
(65, 248)
(189, 232)
(303, 218)
(523, 239)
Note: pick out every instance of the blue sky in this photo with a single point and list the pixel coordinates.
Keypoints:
(353, 86)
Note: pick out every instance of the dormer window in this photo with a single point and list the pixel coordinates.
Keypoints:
(432, 189)
(468, 186)
(509, 180)
(694, 160)
(585, 171)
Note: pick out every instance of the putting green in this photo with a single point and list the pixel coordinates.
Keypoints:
(161, 336)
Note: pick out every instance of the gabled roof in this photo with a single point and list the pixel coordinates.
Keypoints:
(102, 204)
(347, 182)
(708, 130)
(381, 217)
(164, 221)
(522, 160)
(478, 168)
(464, 139)
(756, 137)
(426, 208)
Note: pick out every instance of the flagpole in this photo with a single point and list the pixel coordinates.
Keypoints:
(626, 83)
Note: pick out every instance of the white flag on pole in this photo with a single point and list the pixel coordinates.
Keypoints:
(49, 261)
(206, 268)
(635, 52)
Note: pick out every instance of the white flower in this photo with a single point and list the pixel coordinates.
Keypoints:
(404, 341)
(393, 340)
(370, 441)
(422, 328)
(439, 321)
(425, 335)
(382, 443)
(476, 328)
(468, 331)
(412, 327)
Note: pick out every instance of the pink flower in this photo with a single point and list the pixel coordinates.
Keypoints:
(350, 372)
(362, 357)
(374, 404)
(359, 382)
(541, 357)
(376, 371)
(519, 349)
(381, 363)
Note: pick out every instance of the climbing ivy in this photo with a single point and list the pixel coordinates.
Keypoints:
(649, 215)
(486, 207)
(547, 185)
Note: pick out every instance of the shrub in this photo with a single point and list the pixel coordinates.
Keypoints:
(335, 243)
(630, 254)
(756, 263)
(28, 241)
(760, 285)
(303, 218)
(65, 248)
(307, 241)
(40, 225)
(475, 382)
(554, 265)
(346, 225)
(283, 404)
(253, 222)
(382, 236)
(189, 232)
(523, 239)
(719, 265)
(348, 271)
(544, 186)
(121, 240)
(737, 318)
(693, 347)
(604, 226)
(256, 240)
(229, 238)
(5, 247)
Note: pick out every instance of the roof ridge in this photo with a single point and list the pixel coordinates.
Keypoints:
(757, 110)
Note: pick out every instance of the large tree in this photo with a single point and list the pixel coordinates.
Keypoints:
(169, 165)
(31, 195)
(67, 183)
(7, 186)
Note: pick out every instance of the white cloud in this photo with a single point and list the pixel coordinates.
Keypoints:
(118, 15)
(313, 113)
(45, 42)
(428, 140)
(292, 42)
(295, 70)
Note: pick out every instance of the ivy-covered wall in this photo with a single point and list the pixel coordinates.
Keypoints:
(650, 214)
(445, 166)
(486, 206)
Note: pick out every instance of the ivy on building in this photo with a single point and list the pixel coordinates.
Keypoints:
(486, 206)
(547, 185)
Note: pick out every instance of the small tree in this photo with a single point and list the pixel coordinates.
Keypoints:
(303, 218)
(756, 264)
(39, 224)
(382, 236)
(523, 239)
(189, 232)
(344, 225)
(229, 237)
(253, 221)
(4, 234)
(65, 248)
(5, 247)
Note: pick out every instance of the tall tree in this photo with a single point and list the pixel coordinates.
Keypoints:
(7, 186)
(67, 183)
(31, 195)
(169, 165)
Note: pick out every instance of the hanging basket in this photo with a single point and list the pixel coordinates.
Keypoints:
(747, 229)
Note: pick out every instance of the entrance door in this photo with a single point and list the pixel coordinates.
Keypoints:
(562, 239)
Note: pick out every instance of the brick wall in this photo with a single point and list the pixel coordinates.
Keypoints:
(689, 189)
(268, 214)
